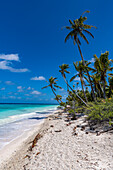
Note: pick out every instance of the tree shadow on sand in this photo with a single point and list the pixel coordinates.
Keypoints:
(38, 118)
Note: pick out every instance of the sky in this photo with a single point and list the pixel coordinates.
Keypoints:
(32, 44)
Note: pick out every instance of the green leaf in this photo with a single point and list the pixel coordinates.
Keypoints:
(73, 78)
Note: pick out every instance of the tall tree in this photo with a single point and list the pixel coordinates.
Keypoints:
(53, 85)
(103, 66)
(63, 70)
(78, 28)
(79, 67)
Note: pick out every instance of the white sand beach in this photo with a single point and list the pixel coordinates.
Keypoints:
(62, 146)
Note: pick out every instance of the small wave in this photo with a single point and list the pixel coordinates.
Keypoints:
(14, 118)
(19, 117)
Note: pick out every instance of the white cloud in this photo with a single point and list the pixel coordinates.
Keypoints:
(35, 92)
(11, 57)
(6, 63)
(29, 88)
(61, 89)
(12, 97)
(20, 88)
(9, 83)
(27, 94)
(77, 79)
(2, 88)
(38, 78)
(92, 60)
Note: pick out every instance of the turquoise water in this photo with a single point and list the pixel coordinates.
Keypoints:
(13, 112)
(15, 119)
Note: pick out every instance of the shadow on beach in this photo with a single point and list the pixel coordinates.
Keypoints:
(38, 118)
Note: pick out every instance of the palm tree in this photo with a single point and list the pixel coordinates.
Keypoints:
(53, 85)
(63, 70)
(80, 69)
(103, 66)
(78, 28)
(97, 85)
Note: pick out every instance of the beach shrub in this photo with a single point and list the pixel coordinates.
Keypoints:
(100, 111)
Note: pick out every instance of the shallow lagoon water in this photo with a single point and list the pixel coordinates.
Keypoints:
(15, 119)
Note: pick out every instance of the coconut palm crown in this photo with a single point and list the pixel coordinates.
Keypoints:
(78, 29)
(52, 83)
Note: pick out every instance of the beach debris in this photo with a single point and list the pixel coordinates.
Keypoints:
(37, 137)
(98, 133)
(82, 128)
(24, 167)
(75, 133)
(57, 130)
(78, 125)
(68, 124)
(38, 153)
(74, 129)
(92, 128)
(27, 156)
(51, 126)
(87, 132)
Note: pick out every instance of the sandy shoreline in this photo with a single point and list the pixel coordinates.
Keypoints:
(60, 148)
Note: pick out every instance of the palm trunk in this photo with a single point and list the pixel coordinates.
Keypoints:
(104, 92)
(74, 91)
(101, 91)
(83, 89)
(55, 95)
(87, 72)
(97, 90)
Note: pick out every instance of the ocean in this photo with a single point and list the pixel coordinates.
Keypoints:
(15, 119)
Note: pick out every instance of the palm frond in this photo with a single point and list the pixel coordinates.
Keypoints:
(110, 74)
(75, 65)
(45, 87)
(67, 71)
(88, 26)
(85, 12)
(71, 22)
(58, 86)
(83, 36)
(67, 27)
(88, 33)
(86, 79)
(72, 78)
(69, 35)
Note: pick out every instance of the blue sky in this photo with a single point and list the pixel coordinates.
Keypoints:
(32, 44)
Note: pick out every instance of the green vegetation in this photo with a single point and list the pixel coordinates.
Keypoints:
(97, 100)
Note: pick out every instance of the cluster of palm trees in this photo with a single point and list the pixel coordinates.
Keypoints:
(98, 77)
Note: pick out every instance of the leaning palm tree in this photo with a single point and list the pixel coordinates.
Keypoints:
(78, 28)
(63, 70)
(53, 85)
(80, 73)
(103, 66)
